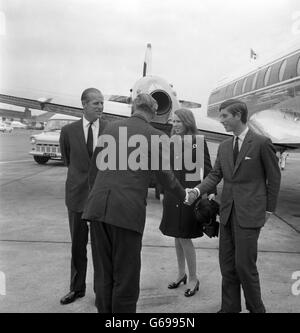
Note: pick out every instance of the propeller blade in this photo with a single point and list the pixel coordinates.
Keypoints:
(191, 105)
(118, 99)
(148, 61)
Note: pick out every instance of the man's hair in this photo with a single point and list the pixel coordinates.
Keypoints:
(188, 120)
(85, 94)
(145, 103)
(235, 106)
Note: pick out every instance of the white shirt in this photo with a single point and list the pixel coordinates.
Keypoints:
(241, 138)
(95, 129)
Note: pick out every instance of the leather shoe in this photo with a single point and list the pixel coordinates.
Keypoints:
(192, 292)
(71, 297)
(174, 285)
(221, 311)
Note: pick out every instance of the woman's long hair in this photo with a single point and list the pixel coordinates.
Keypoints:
(188, 120)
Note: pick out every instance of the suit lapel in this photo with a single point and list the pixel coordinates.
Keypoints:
(81, 137)
(230, 153)
(245, 147)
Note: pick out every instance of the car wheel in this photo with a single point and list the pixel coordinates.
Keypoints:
(41, 159)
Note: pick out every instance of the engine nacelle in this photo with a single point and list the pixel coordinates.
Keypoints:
(162, 92)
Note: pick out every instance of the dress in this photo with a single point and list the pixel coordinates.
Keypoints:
(178, 219)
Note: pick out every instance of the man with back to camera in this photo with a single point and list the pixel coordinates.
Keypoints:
(249, 167)
(78, 141)
(116, 208)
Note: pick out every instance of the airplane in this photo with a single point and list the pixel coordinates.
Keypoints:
(272, 94)
(156, 86)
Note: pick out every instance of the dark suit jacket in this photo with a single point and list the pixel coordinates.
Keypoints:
(118, 197)
(75, 155)
(252, 184)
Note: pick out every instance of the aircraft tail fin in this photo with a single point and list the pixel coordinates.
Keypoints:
(148, 61)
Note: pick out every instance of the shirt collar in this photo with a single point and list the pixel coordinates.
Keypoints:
(243, 134)
(86, 123)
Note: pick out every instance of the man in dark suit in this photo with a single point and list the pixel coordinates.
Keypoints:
(77, 142)
(249, 167)
(116, 207)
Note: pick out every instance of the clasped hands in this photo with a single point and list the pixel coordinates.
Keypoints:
(191, 195)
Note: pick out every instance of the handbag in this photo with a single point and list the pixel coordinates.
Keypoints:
(206, 212)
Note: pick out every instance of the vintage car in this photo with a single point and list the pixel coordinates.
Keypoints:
(45, 145)
(5, 127)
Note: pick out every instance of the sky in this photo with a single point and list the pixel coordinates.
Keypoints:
(57, 48)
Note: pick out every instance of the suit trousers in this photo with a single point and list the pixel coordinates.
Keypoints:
(117, 264)
(237, 257)
(79, 235)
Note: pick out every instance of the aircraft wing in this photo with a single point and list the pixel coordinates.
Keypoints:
(127, 100)
(50, 107)
(211, 128)
(37, 105)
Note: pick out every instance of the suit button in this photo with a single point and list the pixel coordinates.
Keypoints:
(177, 206)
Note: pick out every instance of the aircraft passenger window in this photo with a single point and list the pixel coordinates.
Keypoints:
(254, 81)
(267, 76)
(244, 84)
(282, 70)
(298, 67)
(234, 89)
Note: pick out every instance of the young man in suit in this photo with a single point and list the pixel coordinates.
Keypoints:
(249, 167)
(77, 142)
(116, 207)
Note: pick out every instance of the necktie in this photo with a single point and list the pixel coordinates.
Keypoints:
(235, 150)
(89, 142)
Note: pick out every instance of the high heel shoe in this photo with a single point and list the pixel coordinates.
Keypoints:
(174, 285)
(189, 292)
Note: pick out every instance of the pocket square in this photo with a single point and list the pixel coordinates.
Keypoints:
(248, 158)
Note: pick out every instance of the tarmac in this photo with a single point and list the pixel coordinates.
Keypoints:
(35, 245)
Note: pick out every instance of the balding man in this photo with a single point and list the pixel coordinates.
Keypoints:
(116, 207)
(77, 142)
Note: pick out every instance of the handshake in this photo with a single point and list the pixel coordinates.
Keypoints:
(191, 195)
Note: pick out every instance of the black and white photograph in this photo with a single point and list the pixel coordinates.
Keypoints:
(150, 158)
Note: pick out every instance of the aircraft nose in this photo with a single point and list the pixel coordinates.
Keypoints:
(278, 126)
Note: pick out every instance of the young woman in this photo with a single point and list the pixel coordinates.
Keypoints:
(178, 219)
